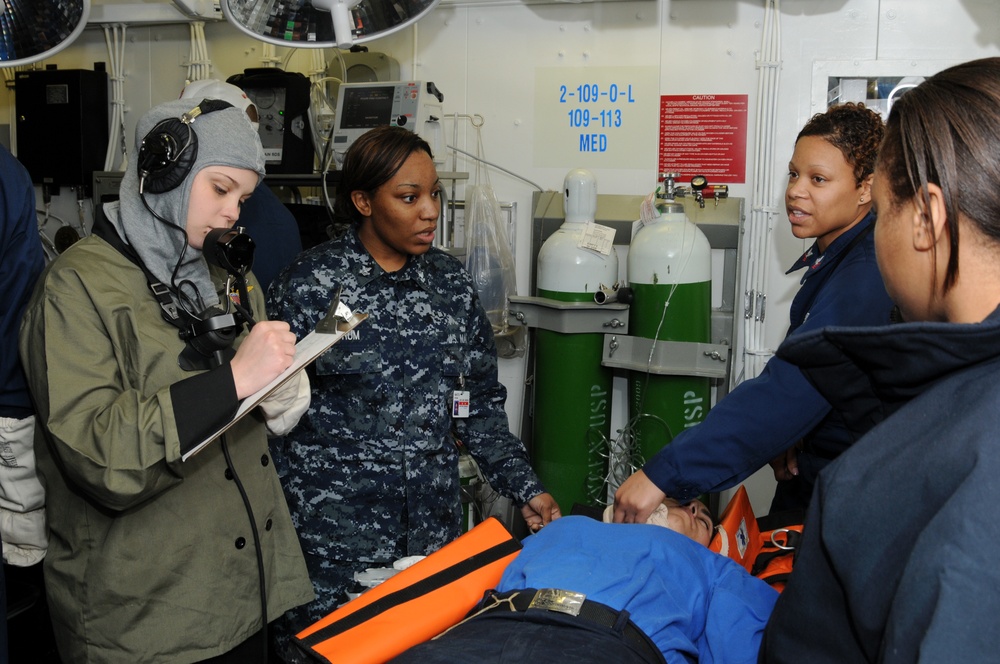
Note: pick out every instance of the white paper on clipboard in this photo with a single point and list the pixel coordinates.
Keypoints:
(312, 346)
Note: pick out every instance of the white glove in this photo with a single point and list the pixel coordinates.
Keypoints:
(22, 497)
(283, 407)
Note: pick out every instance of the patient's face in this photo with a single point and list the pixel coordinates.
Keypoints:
(692, 519)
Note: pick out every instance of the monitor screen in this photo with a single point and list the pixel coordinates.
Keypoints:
(367, 107)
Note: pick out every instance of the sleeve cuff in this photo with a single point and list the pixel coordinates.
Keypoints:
(661, 473)
(197, 417)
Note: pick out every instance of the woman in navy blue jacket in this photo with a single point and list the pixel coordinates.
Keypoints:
(921, 584)
(778, 413)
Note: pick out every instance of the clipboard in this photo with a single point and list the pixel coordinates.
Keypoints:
(329, 330)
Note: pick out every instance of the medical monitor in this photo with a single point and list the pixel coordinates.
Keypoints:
(413, 105)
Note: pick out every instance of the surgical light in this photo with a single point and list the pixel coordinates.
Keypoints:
(322, 23)
(32, 30)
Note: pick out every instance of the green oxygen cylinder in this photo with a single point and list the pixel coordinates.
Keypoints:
(670, 271)
(572, 404)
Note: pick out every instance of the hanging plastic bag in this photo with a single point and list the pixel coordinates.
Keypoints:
(490, 261)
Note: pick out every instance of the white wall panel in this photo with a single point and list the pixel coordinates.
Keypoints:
(954, 30)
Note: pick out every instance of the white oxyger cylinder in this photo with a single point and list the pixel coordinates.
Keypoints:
(670, 273)
(670, 250)
(563, 266)
(572, 390)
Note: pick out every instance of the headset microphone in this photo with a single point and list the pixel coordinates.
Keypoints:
(231, 249)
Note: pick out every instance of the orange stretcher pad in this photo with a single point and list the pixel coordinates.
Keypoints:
(766, 553)
(415, 604)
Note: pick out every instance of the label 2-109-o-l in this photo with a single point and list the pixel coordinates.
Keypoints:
(598, 118)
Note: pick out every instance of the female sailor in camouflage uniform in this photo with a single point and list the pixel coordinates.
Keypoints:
(371, 472)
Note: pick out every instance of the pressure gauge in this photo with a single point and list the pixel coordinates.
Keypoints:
(263, 98)
(699, 182)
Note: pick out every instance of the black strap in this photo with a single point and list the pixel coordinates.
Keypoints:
(770, 552)
(104, 230)
(764, 559)
(590, 611)
(411, 592)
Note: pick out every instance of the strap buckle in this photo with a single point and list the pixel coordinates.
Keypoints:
(165, 299)
(560, 601)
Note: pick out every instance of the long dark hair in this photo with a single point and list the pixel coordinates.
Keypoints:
(372, 161)
(944, 132)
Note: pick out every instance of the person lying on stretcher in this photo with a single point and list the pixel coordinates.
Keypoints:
(583, 591)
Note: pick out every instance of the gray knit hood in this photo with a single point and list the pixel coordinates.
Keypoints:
(225, 138)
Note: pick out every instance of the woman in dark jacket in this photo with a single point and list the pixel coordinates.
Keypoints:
(828, 198)
(898, 562)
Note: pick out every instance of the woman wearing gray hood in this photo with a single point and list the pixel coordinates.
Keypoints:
(137, 350)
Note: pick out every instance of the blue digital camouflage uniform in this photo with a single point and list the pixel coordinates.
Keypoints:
(371, 470)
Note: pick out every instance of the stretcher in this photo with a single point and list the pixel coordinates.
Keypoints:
(414, 605)
(439, 591)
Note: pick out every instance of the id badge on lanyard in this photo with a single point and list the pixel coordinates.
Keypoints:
(460, 400)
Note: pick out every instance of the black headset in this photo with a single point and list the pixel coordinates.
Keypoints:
(169, 150)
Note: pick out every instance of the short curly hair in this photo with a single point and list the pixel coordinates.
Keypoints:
(853, 129)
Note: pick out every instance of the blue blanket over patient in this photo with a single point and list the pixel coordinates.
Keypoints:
(690, 601)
